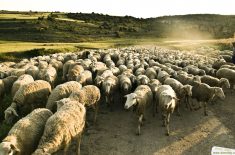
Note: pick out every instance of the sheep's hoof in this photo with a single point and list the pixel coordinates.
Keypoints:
(206, 114)
(167, 134)
(163, 125)
(178, 114)
(137, 133)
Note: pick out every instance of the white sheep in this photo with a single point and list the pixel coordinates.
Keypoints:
(204, 93)
(142, 80)
(100, 78)
(182, 91)
(75, 72)
(228, 74)
(66, 69)
(8, 83)
(109, 86)
(151, 73)
(30, 96)
(61, 91)
(125, 84)
(85, 78)
(89, 96)
(22, 80)
(162, 76)
(167, 102)
(139, 100)
(33, 71)
(50, 75)
(215, 82)
(24, 136)
(62, 128)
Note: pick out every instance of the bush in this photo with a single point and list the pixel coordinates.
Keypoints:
(41, 18)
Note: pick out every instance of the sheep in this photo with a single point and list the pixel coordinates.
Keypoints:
(228, 74)
(125, 84)
(182, 91)
(100, 78)
(139, 99)
(62, 128)
(30, 96)
(154, 84)
(109, 86)
(151, 73)
(2, 89)
(122, 68)
(139, 71)
(167, 101)
(195, 71)
(42, 65)
(204, 93)
(18, 72)
(75, 72)
(22, 80)
(215, 82)
(33, 71)
(185, 79)
(162, 76)
(58, 65)
(24, 136)
(61, 91)
(66, 68)
(85, 78)
(89, 96)
(142, 80)
(8, 82)
(49, 74)
(98, 66)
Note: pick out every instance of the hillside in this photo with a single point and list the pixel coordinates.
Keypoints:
(80, 27)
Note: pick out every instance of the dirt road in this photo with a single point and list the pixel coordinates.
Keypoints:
(192, 133)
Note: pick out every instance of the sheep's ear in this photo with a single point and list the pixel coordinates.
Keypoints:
(126, 96)
(13, 147)
(176, 98)
(15, 113)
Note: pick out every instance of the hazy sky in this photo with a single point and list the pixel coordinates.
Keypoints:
(137, 8)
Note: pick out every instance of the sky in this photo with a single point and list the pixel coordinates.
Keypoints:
(136, 8)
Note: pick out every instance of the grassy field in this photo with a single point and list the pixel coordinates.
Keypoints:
(60, 32)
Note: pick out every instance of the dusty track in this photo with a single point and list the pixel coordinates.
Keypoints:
(192, 133)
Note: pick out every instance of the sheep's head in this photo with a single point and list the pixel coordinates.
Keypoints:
(188, 89)
(126, 86)
(10, 115)
(99, 80)
(144, 80)
(224, 83)
(131, 100)
(41, 151)
(7, 148)
(167, 100)
(219, 92)
(107, 87)
(61, 102)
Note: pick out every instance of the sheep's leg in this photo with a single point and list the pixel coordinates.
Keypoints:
(163, 120)
(190, 105)
(139, 123)
(178, 109)
(78, 143)
(167, 124)
(205, 109)
(66, 148)
(95, 107)
(154, 109)
(107, 99)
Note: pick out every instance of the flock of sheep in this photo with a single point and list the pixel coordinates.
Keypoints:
(48, 116)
